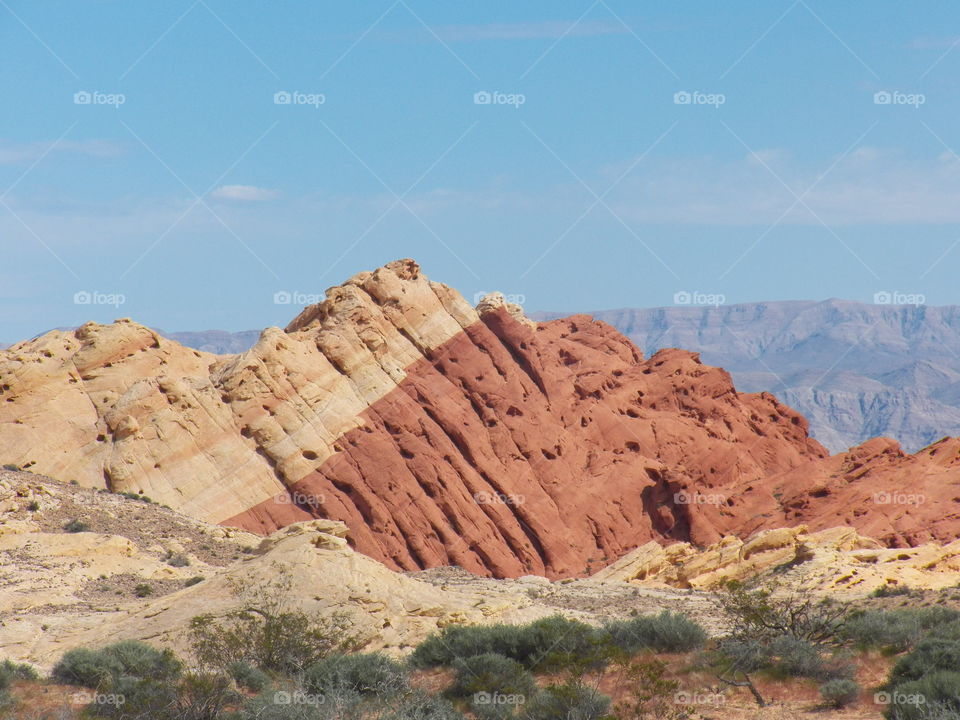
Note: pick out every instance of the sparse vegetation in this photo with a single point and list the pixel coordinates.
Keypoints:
(839, 692)
(76, 526)
(268, 632)
(666, 632)
(143, 590)
(177, 560)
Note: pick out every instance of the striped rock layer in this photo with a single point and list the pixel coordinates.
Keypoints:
(439, 434)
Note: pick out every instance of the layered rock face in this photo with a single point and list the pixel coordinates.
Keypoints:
(439, 434)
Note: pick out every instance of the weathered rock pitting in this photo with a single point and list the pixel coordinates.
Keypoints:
(441, 435)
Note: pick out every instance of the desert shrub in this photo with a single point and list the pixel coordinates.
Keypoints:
(143, 590)
(795, 658)
(267, 632)
(766, 611)
(248, 677)
(295, 705)
(463, 641)
(899, 630)
(362, 673)
(549, 643)
(419, 705)
(890, 591)
(666, 632)
(646, 690)
(930, 656)
(190, 582)
(481, 676)
(177, 560)
(745, 656)
(570, 701)
(935, 696)
(33, 506)
(18, 671)
(125, 659)
(556, 642)
(76, 526)
(839, 692)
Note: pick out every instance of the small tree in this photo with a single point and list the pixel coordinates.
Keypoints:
(268, 632)
(766, 611)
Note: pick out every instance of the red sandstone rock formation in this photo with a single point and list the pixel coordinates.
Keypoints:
(441, 435)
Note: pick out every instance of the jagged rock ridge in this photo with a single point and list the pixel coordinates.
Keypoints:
(439, 435)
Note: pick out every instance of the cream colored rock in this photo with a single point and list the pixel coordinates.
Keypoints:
(118, 405)
(837, 561)
(496, 300)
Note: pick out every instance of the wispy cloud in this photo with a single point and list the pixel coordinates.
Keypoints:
(19, 153)
(244, 193)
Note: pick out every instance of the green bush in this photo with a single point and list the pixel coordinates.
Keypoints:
(930, 656)
(291, 704)
(19, 671)
(76, 526)
(127, 659)
(571, 701)
(745, 656)
(481, 676)
(839, 692)
(796, 658)
(248, 677)
(463, 641)
(268, 632)
(936, 695)
(365, 674)
(177, 560)
(898, 630)
(666, 632)
(555, 642)
(419, 705)
(890, 591)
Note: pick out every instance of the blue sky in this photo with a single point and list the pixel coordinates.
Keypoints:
(179, 185)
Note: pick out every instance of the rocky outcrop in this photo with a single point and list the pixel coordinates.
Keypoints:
(439, 433)
(836, 562)
(855, 370)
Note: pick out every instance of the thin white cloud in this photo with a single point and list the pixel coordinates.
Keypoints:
(21, 153)
(243, 193)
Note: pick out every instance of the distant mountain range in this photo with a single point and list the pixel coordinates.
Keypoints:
(854, 370)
